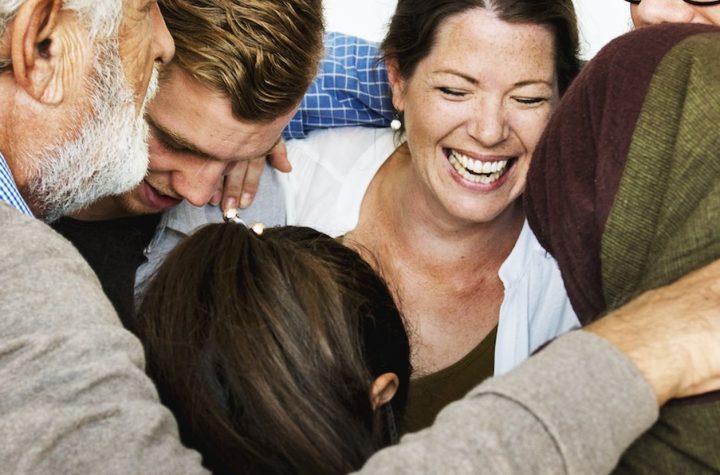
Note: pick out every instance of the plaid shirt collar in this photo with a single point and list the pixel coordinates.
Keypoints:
(8, 189)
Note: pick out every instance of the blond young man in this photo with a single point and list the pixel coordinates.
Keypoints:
(233, 88)
(239, 73)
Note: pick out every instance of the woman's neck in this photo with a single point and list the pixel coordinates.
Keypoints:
(399, 214)
(443, 271)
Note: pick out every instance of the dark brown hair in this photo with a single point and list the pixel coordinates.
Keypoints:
(414, 25)
(265, 347)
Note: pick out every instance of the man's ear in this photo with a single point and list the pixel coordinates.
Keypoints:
(383, 389)
(397, 84)
(40, 65)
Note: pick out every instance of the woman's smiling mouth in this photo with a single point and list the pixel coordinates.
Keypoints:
(478, 171)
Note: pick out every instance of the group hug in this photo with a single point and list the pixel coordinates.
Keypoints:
(234, 242)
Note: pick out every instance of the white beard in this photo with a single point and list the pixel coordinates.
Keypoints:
(110, 154)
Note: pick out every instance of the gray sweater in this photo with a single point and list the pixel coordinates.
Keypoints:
(74, 397)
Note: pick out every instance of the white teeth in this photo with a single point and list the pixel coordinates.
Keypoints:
(483, 172)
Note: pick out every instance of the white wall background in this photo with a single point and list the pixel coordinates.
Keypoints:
(600, 20)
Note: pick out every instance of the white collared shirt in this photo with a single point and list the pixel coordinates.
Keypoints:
(332, 170)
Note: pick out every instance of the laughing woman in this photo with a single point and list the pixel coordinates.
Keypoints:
(474, 83)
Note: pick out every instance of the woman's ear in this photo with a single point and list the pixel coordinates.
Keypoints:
(43, 64)
(397, 84)
(382, 389)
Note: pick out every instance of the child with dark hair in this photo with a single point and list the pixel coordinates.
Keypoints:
(278, 352)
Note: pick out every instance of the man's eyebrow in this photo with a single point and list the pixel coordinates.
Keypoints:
(173, 139)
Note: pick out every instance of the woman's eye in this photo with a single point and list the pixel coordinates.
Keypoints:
(531, 100)
(452, 92)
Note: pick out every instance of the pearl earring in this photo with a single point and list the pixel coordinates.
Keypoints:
(395, 124)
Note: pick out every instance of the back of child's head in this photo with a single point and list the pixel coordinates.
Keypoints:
(265, 347)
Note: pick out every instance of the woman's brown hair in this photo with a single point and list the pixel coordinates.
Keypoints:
(413, 27)
(265, 347)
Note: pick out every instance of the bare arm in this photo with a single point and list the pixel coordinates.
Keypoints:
(672, 334)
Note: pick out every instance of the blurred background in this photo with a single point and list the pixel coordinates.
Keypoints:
(600, 20)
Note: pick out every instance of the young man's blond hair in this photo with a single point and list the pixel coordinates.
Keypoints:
(262, 54)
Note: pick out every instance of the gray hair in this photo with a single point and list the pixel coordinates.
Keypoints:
(102, 17)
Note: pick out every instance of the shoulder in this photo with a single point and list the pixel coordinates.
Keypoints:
(44, 274)
(340, 45)
(341, 148)
(331, 172)
(74, 376)
(26, 239)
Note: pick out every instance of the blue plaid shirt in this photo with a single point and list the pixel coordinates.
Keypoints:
(351, 88)
(8, 189)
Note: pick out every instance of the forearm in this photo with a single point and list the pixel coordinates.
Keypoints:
(573, 408)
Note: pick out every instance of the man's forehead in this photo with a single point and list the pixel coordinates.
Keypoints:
(216, 143)
(204, 119)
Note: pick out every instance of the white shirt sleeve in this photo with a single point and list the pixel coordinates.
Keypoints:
(332, 170)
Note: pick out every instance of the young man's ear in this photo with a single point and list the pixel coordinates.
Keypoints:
(397, 84)
(46, 53)
(383, 389)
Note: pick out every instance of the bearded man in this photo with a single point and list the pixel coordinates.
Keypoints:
(73, 77)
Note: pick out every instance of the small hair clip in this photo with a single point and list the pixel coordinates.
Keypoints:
(258, 228)
(231, 215)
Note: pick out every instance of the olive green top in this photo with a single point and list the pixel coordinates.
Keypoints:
(429, 394)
